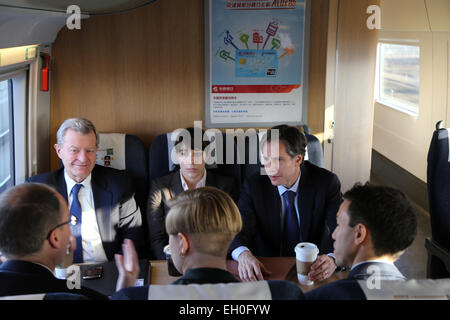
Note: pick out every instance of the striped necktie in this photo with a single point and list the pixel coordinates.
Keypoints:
(75, 211)
(291, 225)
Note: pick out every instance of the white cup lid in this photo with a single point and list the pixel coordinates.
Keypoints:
(306, 248)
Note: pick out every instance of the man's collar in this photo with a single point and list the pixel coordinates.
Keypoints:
(70, 182)
(370, 261)
(283, 189)
(201, 183)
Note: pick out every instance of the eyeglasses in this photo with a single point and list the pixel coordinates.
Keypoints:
(56, 227)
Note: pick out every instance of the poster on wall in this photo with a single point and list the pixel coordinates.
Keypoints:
(256, 62)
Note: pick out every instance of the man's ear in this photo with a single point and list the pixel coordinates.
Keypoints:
(360, 234)
(54, 239)
(185, 243)
(299, 159)
(58, 150)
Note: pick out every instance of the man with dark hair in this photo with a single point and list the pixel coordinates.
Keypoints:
(190, 174)
(375, 226)
(35, 237)
(101, 200)
(296, 202)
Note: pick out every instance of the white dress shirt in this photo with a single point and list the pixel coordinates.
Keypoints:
(199, 184)
(90, 235)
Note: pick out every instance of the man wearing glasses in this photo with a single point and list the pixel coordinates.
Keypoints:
(35, 237)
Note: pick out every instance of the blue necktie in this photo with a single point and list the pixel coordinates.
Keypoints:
(75, 225)
(291, 226)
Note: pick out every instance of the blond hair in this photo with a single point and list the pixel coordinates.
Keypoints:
(208, 215)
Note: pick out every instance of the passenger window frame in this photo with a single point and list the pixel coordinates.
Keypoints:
(9, 135)
(401, 107)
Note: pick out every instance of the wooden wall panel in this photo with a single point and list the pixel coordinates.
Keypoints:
(317, 65)
(142, 72)
(354, 104)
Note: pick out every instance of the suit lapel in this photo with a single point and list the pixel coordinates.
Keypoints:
(272, 203)
(61, 184)
(305, 198)
(176, 187)
(102, 202)
(210, 179)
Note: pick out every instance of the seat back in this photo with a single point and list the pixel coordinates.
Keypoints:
(414, 289)
(314, 152)
(47, 296)
(258, 290)
(159, 157)
(126, 152)
(438, 183)
(221, 291)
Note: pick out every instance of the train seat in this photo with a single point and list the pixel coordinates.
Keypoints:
(47, 296)
(259, 290)
(438, 183)
(126, 152)
(413, 289)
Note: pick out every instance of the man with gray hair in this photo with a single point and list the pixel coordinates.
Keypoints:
(35, 238)
(101, 200)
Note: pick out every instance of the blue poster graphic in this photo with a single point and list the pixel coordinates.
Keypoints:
(236, 26)
(256, 63)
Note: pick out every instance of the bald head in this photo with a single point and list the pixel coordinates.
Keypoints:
(27, 213)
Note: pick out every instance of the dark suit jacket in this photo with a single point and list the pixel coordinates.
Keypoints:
(162, 190)
(19, 277)
(118, 215)
(349, 289)
(319, 197)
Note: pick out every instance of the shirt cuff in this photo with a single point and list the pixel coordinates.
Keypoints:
(338, 268)
(236, 252)
(332, 255)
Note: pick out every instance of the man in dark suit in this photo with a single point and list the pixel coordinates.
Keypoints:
(296, 202)
(101, 200)
(191, 174)
(375, 225)
(35, 238)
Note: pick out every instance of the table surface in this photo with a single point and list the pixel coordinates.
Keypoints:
(107, 283)
(283, 268)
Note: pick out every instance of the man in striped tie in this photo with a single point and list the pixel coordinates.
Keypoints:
(101, 200)
(295, 202)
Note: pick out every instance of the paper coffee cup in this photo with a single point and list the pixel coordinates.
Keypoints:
(305, 254)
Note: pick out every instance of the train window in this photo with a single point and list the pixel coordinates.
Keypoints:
(398, 77)
(6, 136)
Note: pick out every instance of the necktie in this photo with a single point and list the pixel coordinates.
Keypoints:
(291, 226)
(75, 211)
